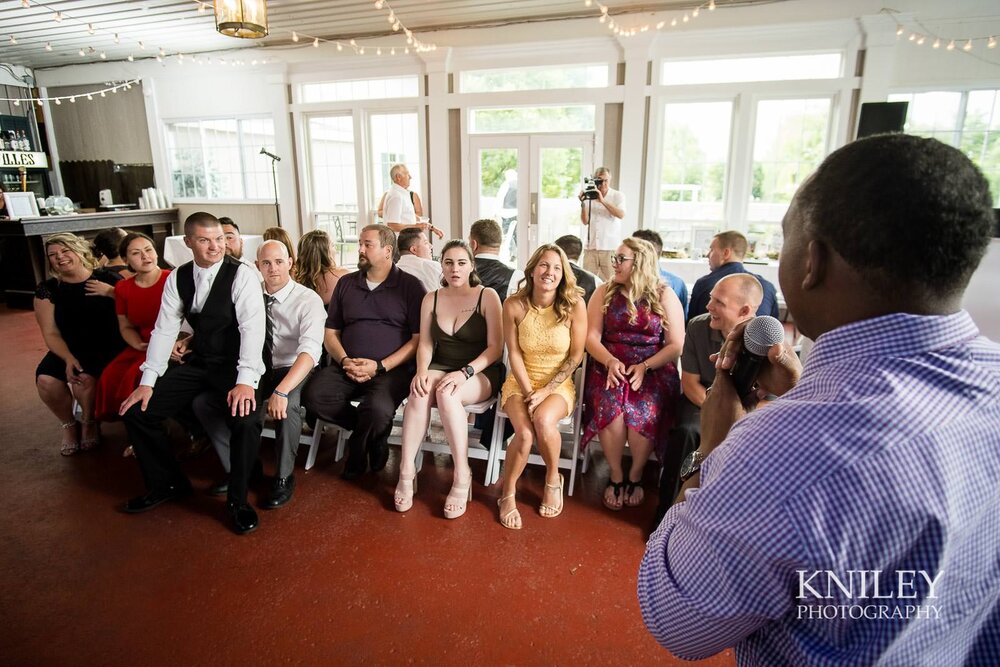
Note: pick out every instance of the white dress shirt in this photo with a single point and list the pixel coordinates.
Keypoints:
(605, 230)
(398, 207)
(426, 270)
(299, 317)
(249, 316)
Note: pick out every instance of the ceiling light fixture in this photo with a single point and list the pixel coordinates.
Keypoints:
(246, 19)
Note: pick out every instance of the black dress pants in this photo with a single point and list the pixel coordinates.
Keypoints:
(684, 438)
(173, 393)
(329, 393)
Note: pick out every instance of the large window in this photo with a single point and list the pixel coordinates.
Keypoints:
(221, 159)
(394, 138)
(759, 68)
(332, 164)
(790, 140)
(695, 155)
(579, 118)
(968, 120)
(533, 78)
(361, 89)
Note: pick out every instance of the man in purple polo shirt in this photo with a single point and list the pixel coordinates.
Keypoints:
(371, 334)
(854, 521)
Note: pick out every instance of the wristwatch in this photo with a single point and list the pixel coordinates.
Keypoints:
(379, 368)
(691, 464)
(469, 372)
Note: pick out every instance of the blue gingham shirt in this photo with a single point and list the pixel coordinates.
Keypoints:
(885, 456)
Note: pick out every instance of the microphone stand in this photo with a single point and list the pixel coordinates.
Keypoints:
(274, 182)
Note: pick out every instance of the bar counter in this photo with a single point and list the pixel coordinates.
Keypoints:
(22, 243)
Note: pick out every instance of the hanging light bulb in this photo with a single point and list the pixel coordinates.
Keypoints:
(25, 3)
(711, 5)
(951, 46)
(48, 46)
(295, 36)
(116, 38)
(13, 40)
(58, 102)
(90, 28)
(340, 47)
(58, 17)
(991, 43)
(141, 45)
(90, 97)
(937, 43)
(968, 46)
(72, 99)
(131, 58)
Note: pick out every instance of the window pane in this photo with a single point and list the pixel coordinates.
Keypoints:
(981, 136)
(331, 163)
(257, 134)
(532, 119)
(933, 114)
(533, 78)
(695, 154)
(222, 159)
(187, 168)
(789, 143)
(764, 68)
(394, 139)
(361, 89)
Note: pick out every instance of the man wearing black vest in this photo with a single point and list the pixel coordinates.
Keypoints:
(222, 301)
(485, 238)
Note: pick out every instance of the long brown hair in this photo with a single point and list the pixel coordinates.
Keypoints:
(644, 284)
(474, 279)
(567, 293)
(279, 234)
(315, 258)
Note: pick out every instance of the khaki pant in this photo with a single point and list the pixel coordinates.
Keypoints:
(599, 262)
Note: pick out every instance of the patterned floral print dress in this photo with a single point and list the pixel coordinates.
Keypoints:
(648, 411)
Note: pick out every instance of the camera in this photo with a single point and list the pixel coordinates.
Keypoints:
(590, 186)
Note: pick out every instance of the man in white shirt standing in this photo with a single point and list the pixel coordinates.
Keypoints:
(415, 258)
(296, 318)
(397, 204)
(602, 212)
(221, 300)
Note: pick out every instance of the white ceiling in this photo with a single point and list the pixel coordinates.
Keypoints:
(177, 26)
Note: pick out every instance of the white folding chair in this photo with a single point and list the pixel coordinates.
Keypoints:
(475, 451)
(573, 421)
(342, 436)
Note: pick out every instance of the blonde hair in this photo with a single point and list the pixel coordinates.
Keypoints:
(315, 258)
(73, 243)
(644, 283)
(567, 293)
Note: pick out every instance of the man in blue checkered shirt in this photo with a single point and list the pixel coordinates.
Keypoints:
(856, 520)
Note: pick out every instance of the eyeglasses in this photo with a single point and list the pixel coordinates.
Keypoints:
(617, 260)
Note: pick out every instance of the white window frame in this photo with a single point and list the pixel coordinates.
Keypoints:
(360, 112)
(166, 122)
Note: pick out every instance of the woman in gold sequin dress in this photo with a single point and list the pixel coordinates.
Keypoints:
(545, 328)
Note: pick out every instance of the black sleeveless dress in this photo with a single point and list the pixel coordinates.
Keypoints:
(453, 352)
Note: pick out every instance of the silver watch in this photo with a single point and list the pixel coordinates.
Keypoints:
(691, 464)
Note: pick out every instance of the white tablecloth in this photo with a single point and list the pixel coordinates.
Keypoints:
(176, 253)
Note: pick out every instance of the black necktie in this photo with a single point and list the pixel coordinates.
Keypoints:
(268, 329)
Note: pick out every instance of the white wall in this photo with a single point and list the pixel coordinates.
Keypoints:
(981, 298)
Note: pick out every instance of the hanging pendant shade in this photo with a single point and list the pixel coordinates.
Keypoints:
(241, 18)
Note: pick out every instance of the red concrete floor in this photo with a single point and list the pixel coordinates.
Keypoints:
(335, 577)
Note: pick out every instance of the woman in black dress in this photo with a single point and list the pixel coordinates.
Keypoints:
(80, 329)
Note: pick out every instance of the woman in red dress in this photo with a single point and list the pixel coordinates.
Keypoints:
(137, 302)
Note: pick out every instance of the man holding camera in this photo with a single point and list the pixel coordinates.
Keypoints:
(602, 210)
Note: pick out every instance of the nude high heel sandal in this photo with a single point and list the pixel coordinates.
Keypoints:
(404, 492)
(459, 498)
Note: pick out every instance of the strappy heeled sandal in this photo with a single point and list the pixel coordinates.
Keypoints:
(88, 444)
(630, 488)
(548, 511)
(69, 448)
(507, 520)
(616, 487)
(404, 492)
(459, 498)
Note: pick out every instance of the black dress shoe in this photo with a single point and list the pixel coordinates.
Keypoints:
(244, 517)
(281, 492)
(154, 498)
(219, 488)
(378, 455)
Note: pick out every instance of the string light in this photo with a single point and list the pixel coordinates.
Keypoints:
(58, 99)
(631, 31)
(919, 38)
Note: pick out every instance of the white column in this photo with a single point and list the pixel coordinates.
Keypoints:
(437, 199)
(880, 47)
(637, 53)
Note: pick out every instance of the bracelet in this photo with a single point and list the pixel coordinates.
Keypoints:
(341, 362)
(646, 364)
(280, 393)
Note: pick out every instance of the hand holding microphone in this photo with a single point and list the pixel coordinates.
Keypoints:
(754, 353)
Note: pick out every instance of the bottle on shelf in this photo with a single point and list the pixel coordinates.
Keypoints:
(25, 143)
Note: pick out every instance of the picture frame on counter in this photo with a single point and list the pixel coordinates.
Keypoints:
(21, 204)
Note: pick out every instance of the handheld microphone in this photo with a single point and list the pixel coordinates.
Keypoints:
(270, 155)
(760, 334)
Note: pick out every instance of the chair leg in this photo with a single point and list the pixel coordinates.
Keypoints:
(342, 436)
(314, 445)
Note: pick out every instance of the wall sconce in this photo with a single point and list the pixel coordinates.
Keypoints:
(246, 19)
